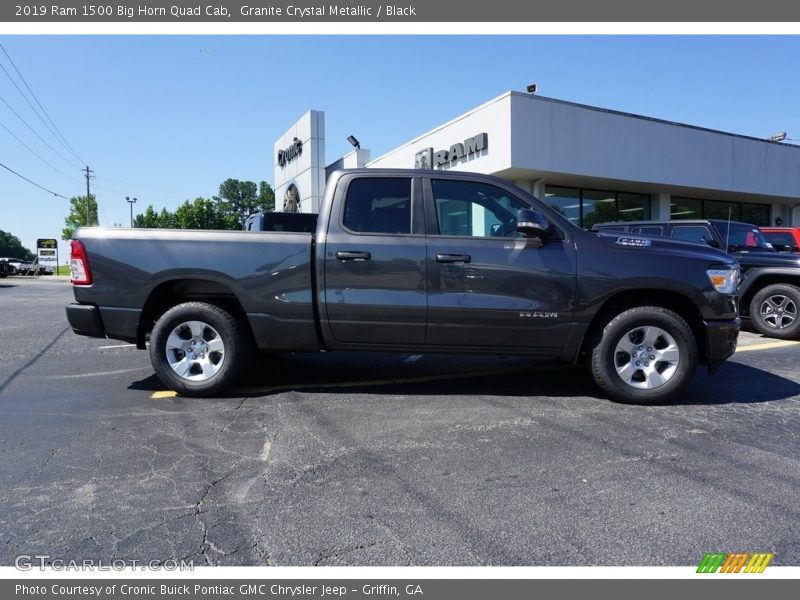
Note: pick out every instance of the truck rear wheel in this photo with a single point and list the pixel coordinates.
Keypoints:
(198, 349)
(774, 311)
(644, 355)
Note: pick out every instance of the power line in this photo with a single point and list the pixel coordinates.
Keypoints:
(11, 108)
(32, 151)
(33, 108)
(7, 168)
(68, 145)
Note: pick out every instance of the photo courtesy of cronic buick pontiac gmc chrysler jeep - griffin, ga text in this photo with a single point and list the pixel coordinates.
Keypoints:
(416, 262)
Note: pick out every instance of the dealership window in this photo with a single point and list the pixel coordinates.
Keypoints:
(757, 214)
(586, 208)
(693, 208)
(686, 208)
(715, 209)
(566, 201)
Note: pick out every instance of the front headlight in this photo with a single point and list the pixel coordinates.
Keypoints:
(724, 281)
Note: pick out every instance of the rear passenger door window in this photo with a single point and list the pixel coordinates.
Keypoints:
(692, 233)
(378, 205)
(656, 230)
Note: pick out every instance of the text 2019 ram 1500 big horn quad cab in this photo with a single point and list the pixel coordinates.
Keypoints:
(412, 261)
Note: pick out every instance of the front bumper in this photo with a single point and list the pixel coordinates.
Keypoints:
(85, 320)
(721, 339)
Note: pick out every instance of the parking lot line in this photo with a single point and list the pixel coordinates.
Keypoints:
(767, 346)
(118, 346)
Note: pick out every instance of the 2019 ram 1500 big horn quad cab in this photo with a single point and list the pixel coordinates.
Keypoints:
(412, 261)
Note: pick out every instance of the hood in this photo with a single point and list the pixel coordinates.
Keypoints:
(633, 242)
(768, 259)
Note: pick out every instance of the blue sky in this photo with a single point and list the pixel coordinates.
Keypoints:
(166, 118)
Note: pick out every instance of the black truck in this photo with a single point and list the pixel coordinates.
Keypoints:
(415, 262)
(769, 290)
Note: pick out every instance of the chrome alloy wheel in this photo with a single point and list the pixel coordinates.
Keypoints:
(646, 357)
(778, 311)
(195, 351)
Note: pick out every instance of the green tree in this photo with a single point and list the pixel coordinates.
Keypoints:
(201, 214)
(77, 215)
(11, 247)
(240, 198)
(266, 197)
(167, 220)
(148, 219)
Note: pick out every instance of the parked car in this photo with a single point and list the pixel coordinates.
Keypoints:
(412, 261)
(5, 268)
(769, 291)
(29, 268)
(12, 263)
(783, 239)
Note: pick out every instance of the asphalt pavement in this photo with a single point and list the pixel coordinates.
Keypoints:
(370, 459)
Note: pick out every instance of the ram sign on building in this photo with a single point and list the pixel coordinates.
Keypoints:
(592, 164)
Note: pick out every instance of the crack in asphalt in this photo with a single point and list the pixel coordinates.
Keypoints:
(33, 360)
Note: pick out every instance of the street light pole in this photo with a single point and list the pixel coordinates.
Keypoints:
(131, 201)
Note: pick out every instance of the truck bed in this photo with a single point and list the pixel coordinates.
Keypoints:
(268, 274)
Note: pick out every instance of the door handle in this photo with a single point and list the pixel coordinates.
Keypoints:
(453, 258)
(347, 255)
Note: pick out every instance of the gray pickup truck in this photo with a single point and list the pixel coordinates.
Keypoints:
(412, 261)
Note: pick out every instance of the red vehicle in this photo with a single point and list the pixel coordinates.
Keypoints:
(784, 239)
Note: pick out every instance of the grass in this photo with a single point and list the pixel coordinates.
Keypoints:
(62, 270)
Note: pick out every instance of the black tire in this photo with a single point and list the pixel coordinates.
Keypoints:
(774, 311)
(226, 345)
(652, 373)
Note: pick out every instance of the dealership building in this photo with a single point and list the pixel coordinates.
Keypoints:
(591, 164)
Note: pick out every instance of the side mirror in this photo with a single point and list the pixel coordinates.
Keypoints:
(533, 224)
(713, 243)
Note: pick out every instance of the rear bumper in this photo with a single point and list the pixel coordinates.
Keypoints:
(85, 320)
(721, 337)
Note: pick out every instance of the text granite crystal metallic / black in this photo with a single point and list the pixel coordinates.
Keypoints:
(412, 261)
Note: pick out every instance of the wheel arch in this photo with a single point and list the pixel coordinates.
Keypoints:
(761, 279)
(669, 299)
(177, 291)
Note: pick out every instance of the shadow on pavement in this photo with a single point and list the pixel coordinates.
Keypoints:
(466, 375)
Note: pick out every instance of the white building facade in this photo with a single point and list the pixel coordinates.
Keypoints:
(589, 163)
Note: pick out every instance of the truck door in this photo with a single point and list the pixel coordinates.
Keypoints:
(374, 263)
(488, 286)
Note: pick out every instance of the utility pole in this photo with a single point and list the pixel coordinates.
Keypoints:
(88, 172)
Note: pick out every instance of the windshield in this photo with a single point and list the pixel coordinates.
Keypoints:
(744, 237)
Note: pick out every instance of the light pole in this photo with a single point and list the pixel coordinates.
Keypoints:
(131, 201)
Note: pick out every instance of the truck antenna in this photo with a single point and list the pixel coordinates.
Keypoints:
(728, 233)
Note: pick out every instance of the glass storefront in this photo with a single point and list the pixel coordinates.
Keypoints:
(586, 208)
(692, 208)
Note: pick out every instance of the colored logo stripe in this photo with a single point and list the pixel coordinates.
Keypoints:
(734, 562)
(710, 563)
(758, 563)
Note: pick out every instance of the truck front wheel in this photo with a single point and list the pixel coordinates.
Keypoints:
(198, 349)
(774, 311)
(644, 355)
